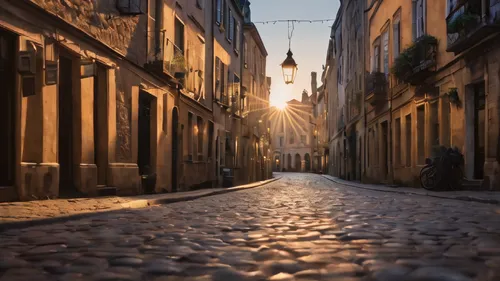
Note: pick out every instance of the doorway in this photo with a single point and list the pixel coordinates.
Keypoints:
(175, 148)
(7, 106)
(144, 142)
(307, 160)
(298, 163)
(385, 149)
(101, 124)
(479, 130)
(66, 141)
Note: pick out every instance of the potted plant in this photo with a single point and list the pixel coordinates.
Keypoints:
(463, 23)
(453, 97)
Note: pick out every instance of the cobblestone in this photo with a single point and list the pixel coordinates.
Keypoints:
(302, 227)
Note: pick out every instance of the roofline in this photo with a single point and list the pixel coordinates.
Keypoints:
(256, 36)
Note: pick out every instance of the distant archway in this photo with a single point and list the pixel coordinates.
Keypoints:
(307, 159)
(297, 162)
(289, 162)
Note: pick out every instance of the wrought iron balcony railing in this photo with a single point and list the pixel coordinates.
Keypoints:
(168, 59)
(470, 21)
(376, 87)
(417, 61)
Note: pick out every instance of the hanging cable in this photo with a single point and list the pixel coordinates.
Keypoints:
(291, 27)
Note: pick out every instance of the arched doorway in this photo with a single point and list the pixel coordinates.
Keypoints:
(289, 162)
(175, 148)
(307, 159)
(297, 163)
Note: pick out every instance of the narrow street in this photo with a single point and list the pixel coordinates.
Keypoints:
(302, 227)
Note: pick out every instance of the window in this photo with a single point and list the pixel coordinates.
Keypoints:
(282, 126)
(129, 7)
(385, 42)
(303, 139)
(408, 137)
(421, 134)
(232, 27)
(223, 13)
(418, 15)
(396, 30)
(376, 58)
(190, 130)
(292, 138)
(222, 73)
(237, 37)
(218, 16)
(397, 142)
(200, 130)
(218, 80)
(179, 35)
(229, 25)
(282, 139)
(245, 54)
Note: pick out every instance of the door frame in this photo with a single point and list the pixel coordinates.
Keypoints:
(15, 105)
(175, 149)
(470, 136)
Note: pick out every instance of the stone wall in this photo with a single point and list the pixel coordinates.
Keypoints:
(101, 20)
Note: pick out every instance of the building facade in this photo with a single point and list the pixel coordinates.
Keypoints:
(256, 146)
(348, 43)
(320, 112)
(431, 80)
(292, 130)
(118, 97)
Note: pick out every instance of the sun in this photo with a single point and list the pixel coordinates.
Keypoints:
(281, 105)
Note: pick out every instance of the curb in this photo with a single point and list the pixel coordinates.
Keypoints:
(458, 198)
(136, 204)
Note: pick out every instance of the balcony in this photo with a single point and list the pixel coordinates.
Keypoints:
(470, 22)
(168, 60)
(417, 62)
(376, 88)
(236, 105)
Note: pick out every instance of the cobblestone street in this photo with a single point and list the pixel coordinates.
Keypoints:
(302, 227)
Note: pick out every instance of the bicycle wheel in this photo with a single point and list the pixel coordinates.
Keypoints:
(429, 178)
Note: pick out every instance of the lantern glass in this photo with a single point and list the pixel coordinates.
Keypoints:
(289, 68)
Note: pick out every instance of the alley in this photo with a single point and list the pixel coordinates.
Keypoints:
(302, 227)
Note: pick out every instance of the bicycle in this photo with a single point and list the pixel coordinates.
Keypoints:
(443, 171)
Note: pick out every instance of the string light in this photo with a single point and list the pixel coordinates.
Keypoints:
(294, 21)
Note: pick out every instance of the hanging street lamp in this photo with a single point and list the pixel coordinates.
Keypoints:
(289, 66)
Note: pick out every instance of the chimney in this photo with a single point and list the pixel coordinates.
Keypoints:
(314, 82)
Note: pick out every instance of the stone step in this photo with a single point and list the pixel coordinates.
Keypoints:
(103, 190)
(472, 184)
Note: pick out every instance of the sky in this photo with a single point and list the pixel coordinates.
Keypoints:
(309, 41)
